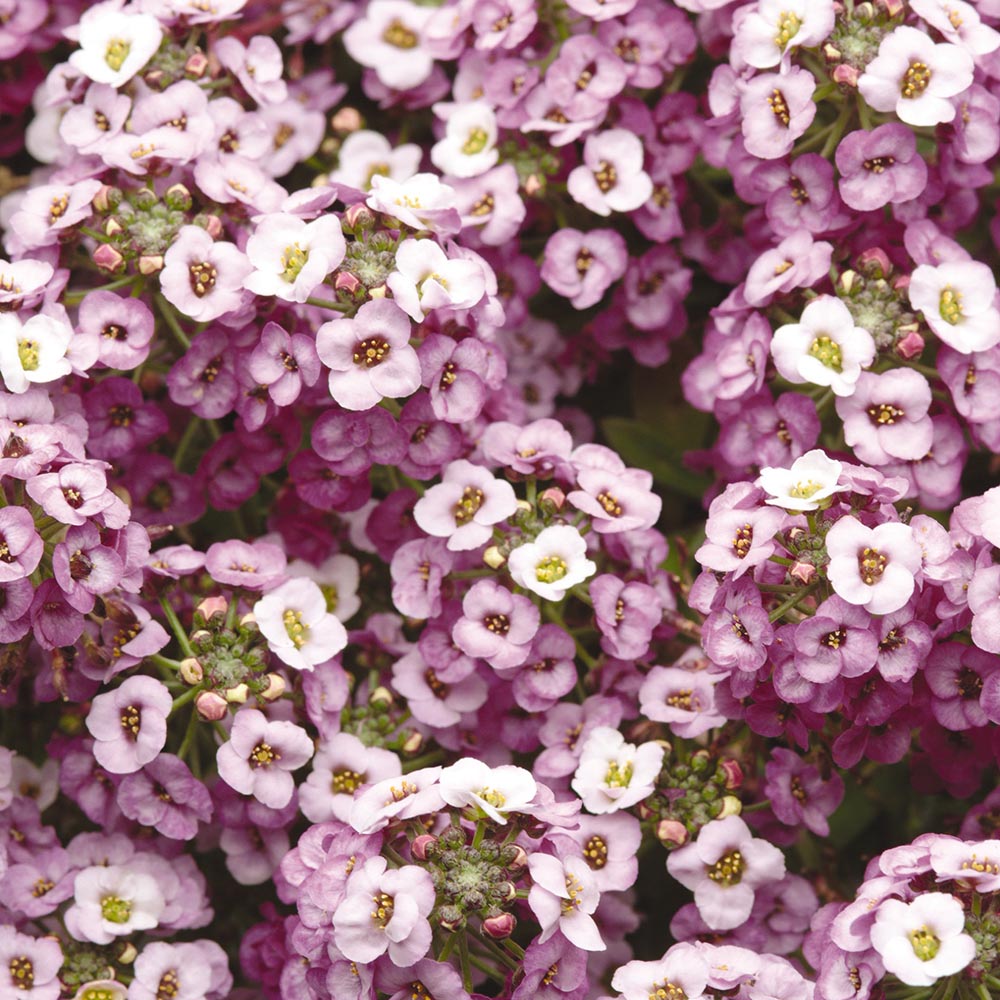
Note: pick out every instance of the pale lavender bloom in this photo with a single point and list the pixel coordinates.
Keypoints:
(465, 505)
(410, 796)
(425, 278)
(962, 686)
(887, 416)
(258, 66)
(683, 699)
(129, 724)
(582, 266)
(434, 702)
(880, 167)
(958, 300)
(180, 967)
(421, 201)
(254, 566)
(984, 595)
(738, 539)
(617, 498)
(496, 625)
(20, 544)
(974, 863)
(798, 792)
(626, 614)
(293, 617)
(459, 375)
(292, 257)
(873, 567)
(84, 566)
(562, 897)
(38, 887)
(418, 570)
(796, 262)
(23, 20)
(914, 77)
(425, 978)
(390, 39)
(260, 755)
(611, 178)
(801, 194)
(369, 356)
(202, 278)
(838, 641)
(776, 109)
(613, 774)
(365, 153)
(585, 77)
(771, 28)
(540, 448)
(166, 796)
(724, 867)
(48, 209)
(123, 327)
(23, 282)
(29, 966)
(397, 924)
(112, 900)
(684, 968)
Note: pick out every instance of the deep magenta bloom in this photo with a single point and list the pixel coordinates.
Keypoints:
(798, 793)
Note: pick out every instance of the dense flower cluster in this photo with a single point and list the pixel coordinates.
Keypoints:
(362, 639)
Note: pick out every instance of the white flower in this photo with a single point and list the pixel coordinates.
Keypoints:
(923, 941)
(111, 901)
(338, 577)
(366, 154)
(773, 27)
(958, 301)
(299, 630)
(495, 791)
(812, 478)
(33, 352)
(468, 148)
(613, 774)
(114, 45)
(421, 202)
(824, 347)
(553, 563)
(291, 257)
(389, 40)
(425, 279)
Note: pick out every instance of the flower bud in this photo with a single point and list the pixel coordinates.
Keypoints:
(211, 706)
(451, 918)
(413, 743)
(533, 184)
(346, 282)
(493, 557)
(178, 198)
(201, 635)
(113, 227)
(733, 772)
(846, 75)
(128, 953)
(832, 53)
(378, 292)
(347, 120)
(731, 806)
(275, 687)
(875, 261)
(803, 572)
(359, 216)
(191, 671)
(212, 605)
(197, 64)
(151, 263)
(552, 499)
(248, 619)
(236, 695)
(507, 891)
(910, 346)
(671, 833)
(515, 858)
(499, 927)
(107, 199)
(102, 989)
(381, 696)
(419, 845)
(107, 258)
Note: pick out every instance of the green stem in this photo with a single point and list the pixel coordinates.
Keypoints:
(79, 294)
(183, 699)
(189, 735)
(185, 442)
(493, 949)
(477, 837)
(176, 627)
(463, 952)
(779, 611)
(424, 760)
(341, 307)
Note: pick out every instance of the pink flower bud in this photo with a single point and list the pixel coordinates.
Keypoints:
(191, 670)
(533, 185)
(346, 282)
(733, 772)
(107, 258)
(150, 263)
(347, 120)
(213, 226)
(803, 572)
(419, 845)
(671, 832)
(520, 862)
(275, 687)
(731, 806)
(875, 258)
(212, 605)
(846, 75)
(911, 346)
(236, 695)
(197, 64)
(554, 496)
(499, 927)
(102, 200)
(358, 215)
(211, 706)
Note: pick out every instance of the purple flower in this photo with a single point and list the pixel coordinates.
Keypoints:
(260, 755)
(739, 539)
(724, 866)
(617, 499)
(964, 692)
(37, 887)
(84, 567)
(611, 178)
(582, 266)
(204, 379)
(418, 570)
(129, 724)
(798, 793)
(29, 966)
(20, 544)
(254, 566)
(166, 796)
(458, 375)
(683, 699)
(626, 614)
(496, 625)
(880, 167)
(120, 419)
(352, 442)
(202, 278)
(796, 262)
(426, 978)
(284, 363)
(122, 326)
(585, 77)
(79, 490)
(776, 110)
(737, 632)
(434, 702)
(838, 641)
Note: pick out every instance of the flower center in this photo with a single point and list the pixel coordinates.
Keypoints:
(438, 687)
(115, 909)
(884, 414)
(584, 258)
(22, 972)
(28, 354)
(595, 852)
(169, 986)
(871, 565)
(969, 684)
(915, 80)
(331, 595)
(827, 352)
(41, 887)
(117, 52)
(484, 206)
(575, 890)
(680, 699)
(878, 164)
(297, 632)
(617, 776)
(779, 107)
(467, 507)
(401, 791)
(609, 503)
(740, 629)
(728, 870)
(114, 332)
(499, 624)
(58, 208)
(399, 35)
(292, 261)
(804, 489)
(475, 142)
(742, 541)
(448, 375)
(202, 275)
(985, 866)
(382, 913)
(493, 796)
(606, 176)
(372, 351)
(550, 569)
(131, 718)
(950, 306)
(798, 792)
(665, 990)
(925, 943)
(346, 781)
(787, 29)
(263, 755)
(834, 639)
